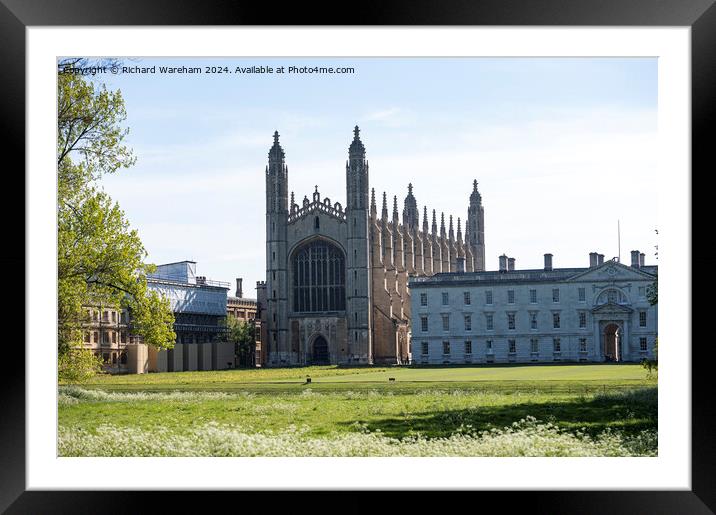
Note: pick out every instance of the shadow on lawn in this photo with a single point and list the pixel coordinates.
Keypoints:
(631, 411)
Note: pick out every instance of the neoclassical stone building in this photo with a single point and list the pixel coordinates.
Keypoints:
(336, 287)
(591, 314)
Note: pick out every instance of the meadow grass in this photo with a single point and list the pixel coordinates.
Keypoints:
(208, 414)
(599, 373)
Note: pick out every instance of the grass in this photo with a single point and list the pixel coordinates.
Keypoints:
(572, 410)
(516, 374)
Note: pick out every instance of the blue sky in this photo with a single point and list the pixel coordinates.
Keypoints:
(562, 148)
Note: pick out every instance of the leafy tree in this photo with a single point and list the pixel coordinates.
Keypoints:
(652, 292)
(242, 335)
(652, 365)
(100, 259)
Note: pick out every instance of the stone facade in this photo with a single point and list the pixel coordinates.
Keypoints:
(107, 333)
(240, 307)
(336, 287)
(594, 314)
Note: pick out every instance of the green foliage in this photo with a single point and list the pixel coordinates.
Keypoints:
(100, 259)
(652, 365)
(78, 365)
(652, 292)
(242, 334)
(89, 127)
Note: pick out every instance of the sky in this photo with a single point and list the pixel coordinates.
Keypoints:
(563, 150)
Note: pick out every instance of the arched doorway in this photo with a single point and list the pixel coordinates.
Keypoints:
(612, 342)
(320, 351)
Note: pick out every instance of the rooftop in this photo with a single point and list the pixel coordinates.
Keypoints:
(516, 276)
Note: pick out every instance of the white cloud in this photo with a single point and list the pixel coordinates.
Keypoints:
(393, 117)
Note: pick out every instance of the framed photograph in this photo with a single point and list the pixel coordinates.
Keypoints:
(573, 125)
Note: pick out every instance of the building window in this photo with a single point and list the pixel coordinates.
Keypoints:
(446, 322)
(319, 278)
(642, 292)
(114, 337)
(317, 223)
(424, 348)
(511, 321)
(512, 346)
(534, 345)
(468, 347)
(446, 347)
(488, 297)
(468, 323)
(533, 296)
(96, 337)
(87, 337)
(488, 346)
(555, 320)
(123, 336)
(466, 297)
(94, 315)
(555, 294)
(445, 298)
(114, 316)
(557, 345)
(423, 323)
(642, 319)
(510, 296)
(642, 344)
(582, 294)
(582, 345)
(423, 299)
(533, 320)
(488, 321)
(582, 320)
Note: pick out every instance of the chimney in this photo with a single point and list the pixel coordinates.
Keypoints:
(510, 264)
(600, 259)
(548, 261)
(461, 265)
(503, 263)
(593, 259)
(642, 256)
(635, 258)
(239, 287)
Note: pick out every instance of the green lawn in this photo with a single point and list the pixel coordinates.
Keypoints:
(589, 410)
(608, 374)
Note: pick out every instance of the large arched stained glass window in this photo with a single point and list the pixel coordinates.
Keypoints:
(319, 280)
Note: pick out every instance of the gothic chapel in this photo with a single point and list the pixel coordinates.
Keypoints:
(336, 276)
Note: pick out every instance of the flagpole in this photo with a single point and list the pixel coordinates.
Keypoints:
(619, 242)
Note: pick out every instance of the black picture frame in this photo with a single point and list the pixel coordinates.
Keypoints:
(17, 15)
